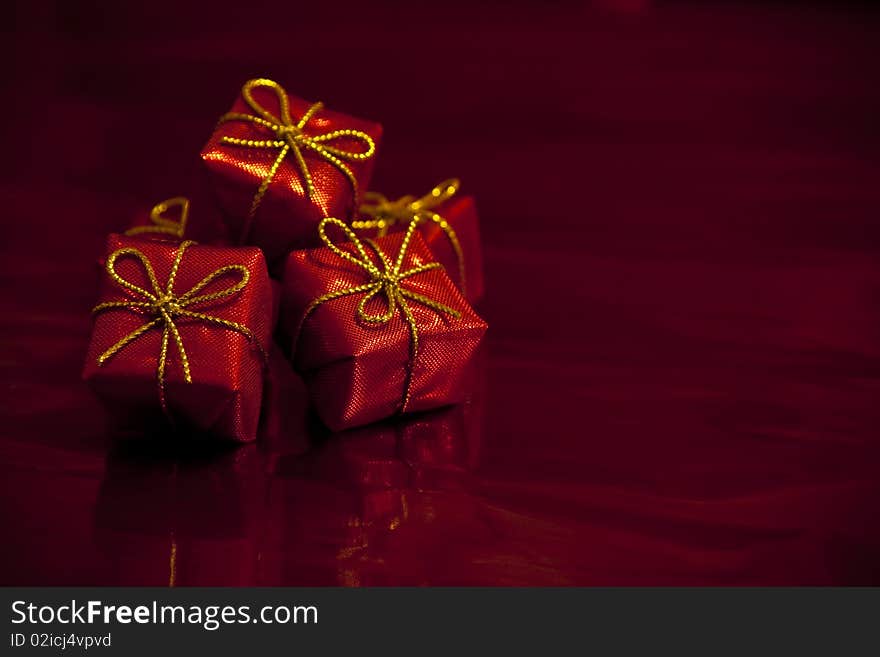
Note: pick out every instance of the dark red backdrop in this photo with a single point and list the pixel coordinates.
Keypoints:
(680, 218)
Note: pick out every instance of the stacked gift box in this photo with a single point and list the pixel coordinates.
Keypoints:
(370, 298)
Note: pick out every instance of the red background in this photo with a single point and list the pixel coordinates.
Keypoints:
(679, 210)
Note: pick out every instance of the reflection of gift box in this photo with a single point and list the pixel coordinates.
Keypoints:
(424, 450)
(182, 329)
(359, 458)
(376, 329)
(448, 224)
(442, 448)
(351, 502)
(280, 164)
(165, 517)
(359, 505)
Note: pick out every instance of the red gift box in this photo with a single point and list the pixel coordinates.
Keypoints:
(182, 330)
(170, 220)
(376, 328)
(280, 164)
(448, 224)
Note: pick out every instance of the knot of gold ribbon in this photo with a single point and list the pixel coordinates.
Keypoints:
(162, 224)
(383, 214)
(385, 278)
(289, 137)
(164, 306)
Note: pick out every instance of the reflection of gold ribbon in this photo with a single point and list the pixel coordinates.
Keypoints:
(386, 279)
(163, 225)
(384, 214)
(164, 306)
(172, 562)
(289, 137)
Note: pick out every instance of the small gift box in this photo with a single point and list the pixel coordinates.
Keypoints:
(182, 330)
(280, 164)
(378, 328)
(448, 224)
(166, 221)
(169, 220)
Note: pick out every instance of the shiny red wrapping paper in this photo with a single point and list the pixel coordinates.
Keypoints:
(356, 371)
(224, 397)
(287, 216)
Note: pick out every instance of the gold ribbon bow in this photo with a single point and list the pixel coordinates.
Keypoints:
(162, 224)
(386, 278)
(290, 138)
(384, 214)
(164, 306)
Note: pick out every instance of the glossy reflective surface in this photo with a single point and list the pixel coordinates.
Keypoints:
(681, 375)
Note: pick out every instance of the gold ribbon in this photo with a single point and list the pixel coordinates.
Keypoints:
(290, 138)
(386, 278)
(384, 214)
(163, 305)
(163, 225)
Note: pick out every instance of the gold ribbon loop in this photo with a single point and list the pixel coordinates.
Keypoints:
(164, 306)
(162, 224)
(440, 194)
(289, 137)
(384, 214)
(385, 278)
